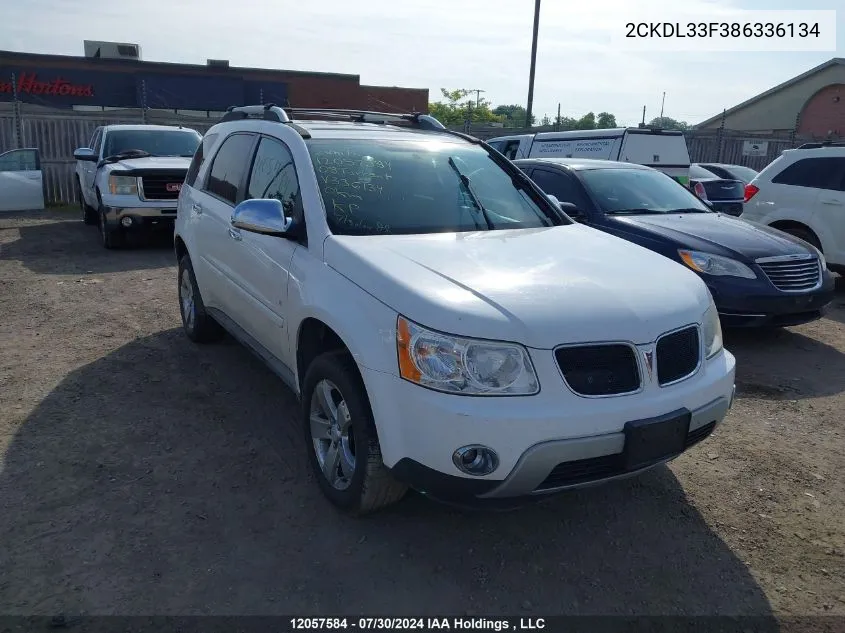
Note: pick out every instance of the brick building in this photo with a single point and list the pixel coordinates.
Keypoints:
(99, 81)
(812, 104)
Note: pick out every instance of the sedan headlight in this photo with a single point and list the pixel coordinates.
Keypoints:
(711, 329)
(716, 265)
(123, 185)
(461, 365)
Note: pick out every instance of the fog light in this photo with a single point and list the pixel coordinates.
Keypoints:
(476, 460)
(127, 222)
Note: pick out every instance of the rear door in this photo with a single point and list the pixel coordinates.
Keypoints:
(222, 189)
(830, 207)
(666, 151)
(21, 180)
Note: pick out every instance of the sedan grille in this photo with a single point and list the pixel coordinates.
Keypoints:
(162, 185)
(677, 355)
(599, 370)
(792, 274)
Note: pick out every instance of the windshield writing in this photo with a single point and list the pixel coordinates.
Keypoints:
(392, 187)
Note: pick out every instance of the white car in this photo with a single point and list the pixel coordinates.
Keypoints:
(128, 178)
(802, 192)
(444, 325)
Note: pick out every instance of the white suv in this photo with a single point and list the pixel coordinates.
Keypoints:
(802, 192)
(445, 326)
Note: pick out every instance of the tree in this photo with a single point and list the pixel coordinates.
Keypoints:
(606, 120)
(459, 105)
(513, 115)
(586, 122)
(545, 120)
(668, 123)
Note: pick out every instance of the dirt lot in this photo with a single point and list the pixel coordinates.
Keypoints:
(142, 474)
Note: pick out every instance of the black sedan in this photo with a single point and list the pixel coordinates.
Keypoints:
(757, 275)
(725, 195)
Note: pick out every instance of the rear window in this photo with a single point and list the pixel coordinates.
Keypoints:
(372, 187)
(817, 173)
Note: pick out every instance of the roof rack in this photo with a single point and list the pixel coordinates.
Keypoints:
(822, 144)
(272, 112)
(415, 119)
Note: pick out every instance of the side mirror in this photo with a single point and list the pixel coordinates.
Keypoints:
(86, 154)
(555, 201)
(571, 210)
(264, 215)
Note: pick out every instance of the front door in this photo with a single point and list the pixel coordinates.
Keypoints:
(21, 183)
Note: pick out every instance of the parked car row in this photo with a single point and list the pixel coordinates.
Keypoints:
(481, 329)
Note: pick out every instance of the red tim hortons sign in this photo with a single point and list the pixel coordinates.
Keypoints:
(29, 83)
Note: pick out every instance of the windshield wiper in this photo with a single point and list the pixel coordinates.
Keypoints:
(129, 153)
(468, 186)
(689, 210)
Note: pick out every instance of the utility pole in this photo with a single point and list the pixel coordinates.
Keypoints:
(533, 64)
(557, 121)
(643, 123)
(477, 96)
(661, 106)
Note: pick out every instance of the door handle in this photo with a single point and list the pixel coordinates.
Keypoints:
(196, 208)
(830, 201)
(235, 234)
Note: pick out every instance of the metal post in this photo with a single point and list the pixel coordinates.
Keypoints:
(557, 120)
(661, 108)
(533, 64)
(721, 136)
(16, 110)
(643, 123)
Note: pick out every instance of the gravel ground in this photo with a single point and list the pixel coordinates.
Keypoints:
(142, 474)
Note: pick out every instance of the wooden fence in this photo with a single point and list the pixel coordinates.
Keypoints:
(57, 133)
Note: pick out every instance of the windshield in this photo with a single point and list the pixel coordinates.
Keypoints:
(634, 191)
(153, 142)
(387, 187)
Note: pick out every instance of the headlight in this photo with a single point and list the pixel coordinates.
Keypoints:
(716, 265)
(123, 185)
(822, 260)
(711, 329)
(463, 365)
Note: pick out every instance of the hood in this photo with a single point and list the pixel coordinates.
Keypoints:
(154, 162)
(717, 233)
(539, 287)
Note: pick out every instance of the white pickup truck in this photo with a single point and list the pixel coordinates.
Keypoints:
(129, 177)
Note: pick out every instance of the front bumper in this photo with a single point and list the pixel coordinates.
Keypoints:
(420, 429)
(140, 218)
(742, 306)
(550, 467)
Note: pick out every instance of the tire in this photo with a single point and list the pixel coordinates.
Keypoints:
(804, 234)
(112, 238)
(199, 326)
(89, 213)
(362, 484)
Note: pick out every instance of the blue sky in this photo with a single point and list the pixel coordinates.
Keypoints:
(439, 43)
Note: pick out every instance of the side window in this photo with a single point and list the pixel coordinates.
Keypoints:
(840, 169)
(199, 158)
(19, 160)
(562, 186)
(94, 137)
(818, 173)
(510, 149)
(496, 145)
(273, 175)
(229, 167)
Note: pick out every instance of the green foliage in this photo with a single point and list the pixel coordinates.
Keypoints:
(606, 120)
(461, 105)
(668, 123)
(513, 115)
